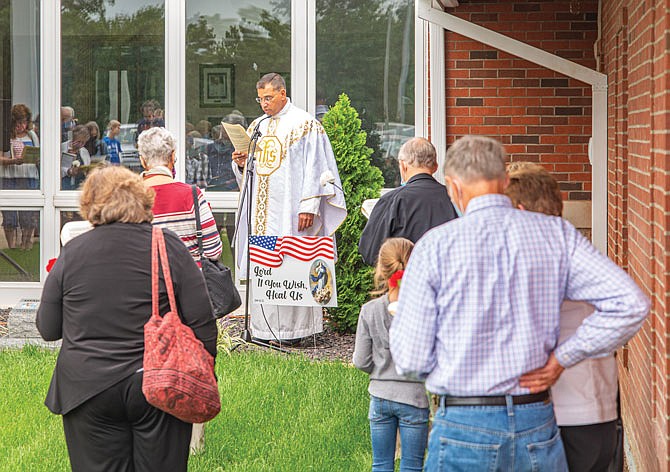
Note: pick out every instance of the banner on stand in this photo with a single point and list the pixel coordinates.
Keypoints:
(293, 270)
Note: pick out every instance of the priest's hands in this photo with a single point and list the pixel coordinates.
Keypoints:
(239, 158)
(305, 220)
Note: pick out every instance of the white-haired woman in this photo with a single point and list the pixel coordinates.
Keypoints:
(174, 209)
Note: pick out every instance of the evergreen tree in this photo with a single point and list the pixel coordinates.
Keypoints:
(360, 181)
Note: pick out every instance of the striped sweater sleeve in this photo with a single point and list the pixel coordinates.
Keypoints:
(211, 241)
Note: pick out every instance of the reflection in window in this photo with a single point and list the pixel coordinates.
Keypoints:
(113, 82)
(365, 48)
(19, 95)
(230, 44)
(225, 222)
(19, 246)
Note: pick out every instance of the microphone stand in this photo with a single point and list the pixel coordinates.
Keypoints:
(247, 192)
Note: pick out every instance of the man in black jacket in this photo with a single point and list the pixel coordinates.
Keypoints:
(412, 209)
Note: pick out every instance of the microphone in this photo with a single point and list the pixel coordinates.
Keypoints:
(257, 133)
(327, 177)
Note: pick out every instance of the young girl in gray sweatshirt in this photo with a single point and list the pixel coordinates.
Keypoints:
(396, 403)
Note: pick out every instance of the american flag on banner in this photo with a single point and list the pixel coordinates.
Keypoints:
(269, 251)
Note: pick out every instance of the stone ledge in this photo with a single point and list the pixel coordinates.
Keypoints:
(18, 343)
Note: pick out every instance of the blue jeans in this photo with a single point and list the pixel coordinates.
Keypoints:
(386, 417)
(512, 438)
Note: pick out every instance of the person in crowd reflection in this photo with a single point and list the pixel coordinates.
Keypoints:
(94, 143)
(220, 155)
(585, 395)
(68, 122)
(97, 299)
(420, 204)
(36, 125)
(15, 174)
(111, 147)
(478, 318)
(74, 155)
(196, 160)
(396, 404)
(289, 199)
(149, 119)
(321, 105)
(204, 127)
(174, 209)
(158, 119)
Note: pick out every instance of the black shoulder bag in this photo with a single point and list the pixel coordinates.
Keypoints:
(222, 291)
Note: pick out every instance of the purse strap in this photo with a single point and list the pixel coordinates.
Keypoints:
(198, 225)
(159, 253)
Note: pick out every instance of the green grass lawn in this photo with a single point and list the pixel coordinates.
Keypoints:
(278, 414)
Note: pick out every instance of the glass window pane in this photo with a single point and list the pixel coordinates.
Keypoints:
(19, 245)
(230, 44)
(365, 48)
(113, 82)
(19, 94)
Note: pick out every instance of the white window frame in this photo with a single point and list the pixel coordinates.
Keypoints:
(51, 200)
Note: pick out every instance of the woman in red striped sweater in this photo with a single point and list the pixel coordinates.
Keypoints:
(173, 208)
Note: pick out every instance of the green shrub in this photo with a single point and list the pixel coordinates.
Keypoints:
(360, 181)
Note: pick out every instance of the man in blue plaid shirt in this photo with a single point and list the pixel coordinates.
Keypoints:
(478, 319)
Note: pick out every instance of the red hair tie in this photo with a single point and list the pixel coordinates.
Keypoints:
(394, 281)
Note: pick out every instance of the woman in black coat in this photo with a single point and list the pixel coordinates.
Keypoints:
(97, 298)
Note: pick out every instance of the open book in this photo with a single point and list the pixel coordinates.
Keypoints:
(31, 155)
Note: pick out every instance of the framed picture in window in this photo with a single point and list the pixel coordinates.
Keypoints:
(217, 85)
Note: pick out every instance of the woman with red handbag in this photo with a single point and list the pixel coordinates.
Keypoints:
(98, 298)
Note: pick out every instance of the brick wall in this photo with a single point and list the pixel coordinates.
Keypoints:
(539, 115)
(635, 58)
(544, 117)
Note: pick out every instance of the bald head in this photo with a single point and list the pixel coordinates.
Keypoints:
(419, 153)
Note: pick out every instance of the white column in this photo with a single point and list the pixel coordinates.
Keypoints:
(599, 166)
(175, 77)
(301, 52)
(421, 38)
(438, 106)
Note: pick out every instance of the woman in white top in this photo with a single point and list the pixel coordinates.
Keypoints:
(585, 396)
(16, 174)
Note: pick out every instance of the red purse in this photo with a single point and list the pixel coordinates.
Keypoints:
(178, 371)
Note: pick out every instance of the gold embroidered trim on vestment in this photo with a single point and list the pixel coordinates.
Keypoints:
(262, 196)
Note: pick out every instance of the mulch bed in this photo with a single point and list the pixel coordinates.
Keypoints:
(326, 346)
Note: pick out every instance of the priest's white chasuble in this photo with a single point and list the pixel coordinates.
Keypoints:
(292, 156)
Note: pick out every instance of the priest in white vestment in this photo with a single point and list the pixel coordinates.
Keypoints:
(288, 197)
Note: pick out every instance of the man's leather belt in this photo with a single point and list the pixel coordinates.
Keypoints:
(498, 400)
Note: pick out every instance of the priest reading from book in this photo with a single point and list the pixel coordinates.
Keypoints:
(288, 198)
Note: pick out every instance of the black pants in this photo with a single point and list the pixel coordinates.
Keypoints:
(117, 430)
(589, 448)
